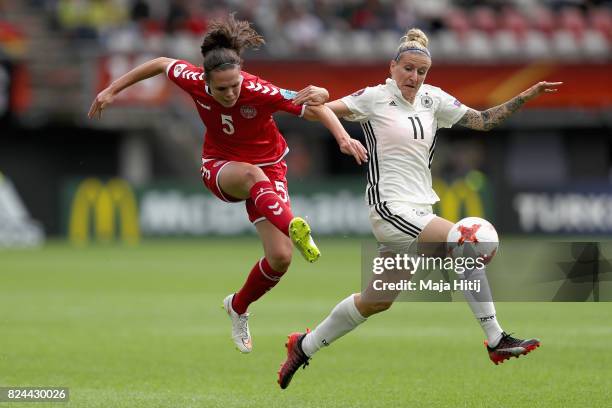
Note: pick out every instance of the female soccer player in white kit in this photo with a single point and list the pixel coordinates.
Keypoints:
(399, 120)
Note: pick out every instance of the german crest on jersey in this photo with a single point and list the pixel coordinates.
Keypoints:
(426, 101)
(248, 112)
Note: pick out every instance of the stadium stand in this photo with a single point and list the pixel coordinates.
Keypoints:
(488, 30)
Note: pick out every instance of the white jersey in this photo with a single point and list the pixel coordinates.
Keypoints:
(401, 139)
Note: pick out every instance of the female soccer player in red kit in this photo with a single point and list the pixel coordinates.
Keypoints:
(243, 152)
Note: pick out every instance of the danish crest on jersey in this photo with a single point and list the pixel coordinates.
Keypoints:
(248, 112)
(287, 94)
(178, 68)
(426, 101)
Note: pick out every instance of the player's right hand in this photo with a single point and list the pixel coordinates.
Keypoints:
(353, 147)
(102, 100)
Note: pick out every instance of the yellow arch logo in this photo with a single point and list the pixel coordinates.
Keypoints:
(107, 202)
(458, 196)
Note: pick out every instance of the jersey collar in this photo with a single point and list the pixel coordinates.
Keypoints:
(395, 91)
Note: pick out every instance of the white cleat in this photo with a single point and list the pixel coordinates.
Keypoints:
(240, 327)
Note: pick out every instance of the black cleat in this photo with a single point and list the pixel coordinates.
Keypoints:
(509, 346)
(295, 359)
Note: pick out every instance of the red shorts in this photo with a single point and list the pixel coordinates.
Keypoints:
(211, 168)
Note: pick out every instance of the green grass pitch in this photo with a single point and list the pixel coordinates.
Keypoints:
(143, 327)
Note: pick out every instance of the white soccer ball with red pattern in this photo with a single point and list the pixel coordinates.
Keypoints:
(473, 237)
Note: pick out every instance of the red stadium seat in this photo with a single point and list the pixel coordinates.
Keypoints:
(485, 19)
(458, 22)
(601, 20)
(543, 19)
(514, 21)
(572, 20)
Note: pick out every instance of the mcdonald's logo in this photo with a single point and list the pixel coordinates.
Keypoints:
(460, 199)
(108, 206)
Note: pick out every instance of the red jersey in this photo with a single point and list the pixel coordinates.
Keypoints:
(245, 132)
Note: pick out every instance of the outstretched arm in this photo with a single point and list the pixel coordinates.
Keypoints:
(141, 72)
(347, 144)
(490, 118)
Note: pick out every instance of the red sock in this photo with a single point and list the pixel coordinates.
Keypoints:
(261, 279)
(271, 206)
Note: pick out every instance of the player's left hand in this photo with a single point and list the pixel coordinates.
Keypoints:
(541, 88)
(312, 95)
(353, 147)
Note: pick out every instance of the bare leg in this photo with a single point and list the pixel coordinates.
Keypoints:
(432, 242)
(237, 178)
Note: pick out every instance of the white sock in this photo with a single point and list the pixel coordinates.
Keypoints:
(342, 319)
(482, 306)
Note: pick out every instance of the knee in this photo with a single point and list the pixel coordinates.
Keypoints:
(252, 175)
(280, 259)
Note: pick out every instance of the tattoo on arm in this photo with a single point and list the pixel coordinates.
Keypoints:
(490, 118)
(472, 120)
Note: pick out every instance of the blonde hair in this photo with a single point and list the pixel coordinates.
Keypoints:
(414, 40)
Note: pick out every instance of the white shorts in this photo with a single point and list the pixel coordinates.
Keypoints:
(397, 225)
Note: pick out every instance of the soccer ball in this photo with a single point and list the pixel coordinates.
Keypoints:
(473, 237)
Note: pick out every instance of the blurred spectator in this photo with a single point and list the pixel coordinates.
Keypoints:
(327, 12)
(405, 16)
(12, 41)
(141, 11)
(12, 38)
(178, 15)
(302, 28)
(372, 15)
(105, 15)
(71, 16)
(89, 19)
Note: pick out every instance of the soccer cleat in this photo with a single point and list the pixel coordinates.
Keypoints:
(509, 346)
(240, 327)
(295, 359)
(299, 231)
